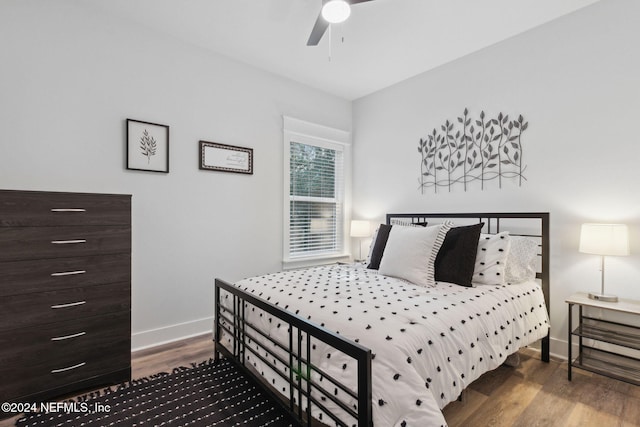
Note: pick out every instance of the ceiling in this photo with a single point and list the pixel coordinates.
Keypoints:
(382, 43)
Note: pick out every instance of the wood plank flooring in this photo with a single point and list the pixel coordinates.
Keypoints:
(533, 394)
(539, 394)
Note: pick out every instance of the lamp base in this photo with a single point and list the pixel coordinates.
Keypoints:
(603, 297)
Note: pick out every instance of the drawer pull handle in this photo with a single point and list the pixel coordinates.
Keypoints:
(66, 337)
(68, 273)
(68, 210)
(56, 371)
(71, 304)
(67, 242)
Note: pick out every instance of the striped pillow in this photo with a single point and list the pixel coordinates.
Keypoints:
(410, 253)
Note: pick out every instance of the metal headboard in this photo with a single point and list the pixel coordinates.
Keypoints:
(529, 224)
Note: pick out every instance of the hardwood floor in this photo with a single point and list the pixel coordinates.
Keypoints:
(533, 394)
(166, 357)
(539, 394)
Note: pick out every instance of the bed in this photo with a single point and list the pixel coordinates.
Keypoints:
(349, 344)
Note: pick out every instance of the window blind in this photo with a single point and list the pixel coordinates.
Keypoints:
(315, 200)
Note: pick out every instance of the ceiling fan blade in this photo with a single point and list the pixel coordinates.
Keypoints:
(318, 31)
(321, 25)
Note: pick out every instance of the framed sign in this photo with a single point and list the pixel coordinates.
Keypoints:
(226, 158)
(147, 146)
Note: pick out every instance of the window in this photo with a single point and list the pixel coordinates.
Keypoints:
(315, 200)
(315, 211)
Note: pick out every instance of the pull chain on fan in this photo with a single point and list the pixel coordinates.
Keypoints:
(332, 12)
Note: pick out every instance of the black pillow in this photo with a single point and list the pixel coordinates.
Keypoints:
(379, 245)
(456, 259)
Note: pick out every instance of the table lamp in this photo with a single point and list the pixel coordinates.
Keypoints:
(603, 240)
(360, 229)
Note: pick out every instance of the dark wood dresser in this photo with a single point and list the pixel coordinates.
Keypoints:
(65, 293)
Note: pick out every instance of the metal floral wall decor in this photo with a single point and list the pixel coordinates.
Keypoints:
(473, 152)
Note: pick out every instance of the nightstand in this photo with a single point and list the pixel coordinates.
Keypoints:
(621, 340)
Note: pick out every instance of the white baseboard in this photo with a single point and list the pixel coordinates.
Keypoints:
(558, 348)
(168, 334)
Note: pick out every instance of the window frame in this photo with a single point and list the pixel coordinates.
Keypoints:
(295, 130)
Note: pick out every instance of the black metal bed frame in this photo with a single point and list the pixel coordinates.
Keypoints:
(299, 371)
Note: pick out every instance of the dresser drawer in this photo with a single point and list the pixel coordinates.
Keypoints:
(61, 340)
(57, 242)
(23, 277)
(33, 208)
(53, 355)
(19, 311)
(91, 371)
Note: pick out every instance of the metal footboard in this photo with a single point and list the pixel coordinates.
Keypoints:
(293, 358)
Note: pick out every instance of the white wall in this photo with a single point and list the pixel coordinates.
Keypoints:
(70, 76)
(577, 81)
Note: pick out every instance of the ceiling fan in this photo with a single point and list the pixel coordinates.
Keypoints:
(332, 12)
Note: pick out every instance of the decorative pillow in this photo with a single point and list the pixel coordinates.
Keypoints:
(491, 258)
(522, 260)
(378, 245)
(376, 249)
(408, 223)
(411, 252)
(456, 259)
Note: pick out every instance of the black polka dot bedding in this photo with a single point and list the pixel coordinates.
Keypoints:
(427, 343)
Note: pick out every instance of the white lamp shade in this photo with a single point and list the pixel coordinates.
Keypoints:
(360, 228)
(604, 239)
(336, 11)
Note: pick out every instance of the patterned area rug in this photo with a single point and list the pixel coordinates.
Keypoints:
(206, 394)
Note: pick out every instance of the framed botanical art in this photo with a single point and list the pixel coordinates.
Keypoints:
(147, 146)
(226, 158)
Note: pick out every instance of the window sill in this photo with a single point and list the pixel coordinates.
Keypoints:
(293, 263)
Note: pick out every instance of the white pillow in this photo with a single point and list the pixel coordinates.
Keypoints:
(375, 236)
(411, 253)
(491, 258)
(522, 260)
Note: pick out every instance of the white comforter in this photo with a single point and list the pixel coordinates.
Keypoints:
(429, 343)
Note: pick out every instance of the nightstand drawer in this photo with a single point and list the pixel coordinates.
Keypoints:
(58, 242)
(26, 208)
(53, 355)
(20, 311)
(23, 277)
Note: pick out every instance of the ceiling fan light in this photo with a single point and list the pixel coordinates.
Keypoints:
(336, 11)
